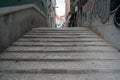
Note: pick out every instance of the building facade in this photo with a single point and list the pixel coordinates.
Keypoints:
(74, 18)
(73, 13)
(51, 13)
(67, 11)
(67, 7)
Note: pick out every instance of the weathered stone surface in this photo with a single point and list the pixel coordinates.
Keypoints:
(16, 21)
(96, 76)
(53, 54)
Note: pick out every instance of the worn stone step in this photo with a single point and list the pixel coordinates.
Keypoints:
(85, 48)
(90, 32)
(62, 29)
(65, 51)
(38, 45)
(47, 35)
(29, 44)
(64, 40)
(60, 56)
(75, 34)
(78, 65)
(60, 71)
(47, 43)
(59, 30)
(62, 33)
(64, 37)
(54, 60)
(90, 75)
(40, 30)
(74, 28)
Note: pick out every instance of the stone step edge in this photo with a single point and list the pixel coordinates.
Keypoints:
(81, 51)
(55, 59)
(61, 37)
(32, 45)
(59, 71)
(64, 41)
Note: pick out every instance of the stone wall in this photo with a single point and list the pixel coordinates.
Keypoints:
(17, 22)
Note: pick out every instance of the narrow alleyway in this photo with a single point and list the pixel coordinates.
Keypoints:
(60, 54)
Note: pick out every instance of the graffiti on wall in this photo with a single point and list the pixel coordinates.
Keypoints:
(88, 5)
(104, 8)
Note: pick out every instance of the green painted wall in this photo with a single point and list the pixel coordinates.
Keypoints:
(6, 3)
(40, 3)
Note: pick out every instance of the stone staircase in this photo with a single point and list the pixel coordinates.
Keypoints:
(60, 54)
